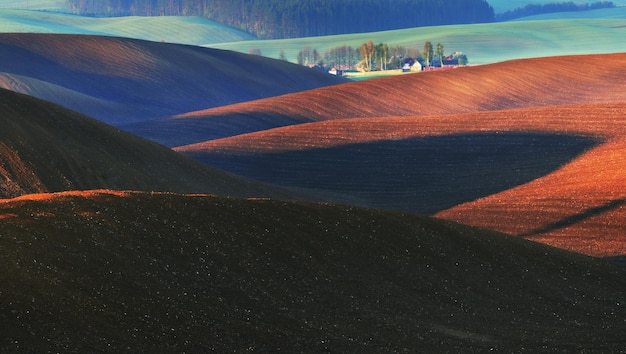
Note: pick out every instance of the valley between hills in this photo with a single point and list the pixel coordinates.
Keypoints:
(171, 198)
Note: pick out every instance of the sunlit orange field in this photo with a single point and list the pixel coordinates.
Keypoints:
(578, 207)
(514, 84)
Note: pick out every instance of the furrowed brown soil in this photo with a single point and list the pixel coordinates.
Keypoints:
(598, 120)
(99, 271)
(514, 84)
(119, 80)
(579, 207)
(534, 148)
(574, 204)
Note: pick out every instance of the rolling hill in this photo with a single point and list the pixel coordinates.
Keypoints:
(130, 254)
(513, 84)
(534, 156)
(122, 258)
(56, 5)
(120, 80)
(507, 5)
(47, 148)
(143, 272)
(598, 33)
(543, 173)
(39, 5)
(171, 29)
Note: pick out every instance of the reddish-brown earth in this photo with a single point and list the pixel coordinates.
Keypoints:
(114, 270)
(603, 121)
(577, 206)
(515, 84)
(512, 84)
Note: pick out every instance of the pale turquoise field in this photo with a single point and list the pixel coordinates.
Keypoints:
(498, 5)
(599, 31)
(173, 29)
(47, 5)
(507, 5)
(483, 43)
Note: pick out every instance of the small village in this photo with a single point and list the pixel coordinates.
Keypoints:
(380, 59)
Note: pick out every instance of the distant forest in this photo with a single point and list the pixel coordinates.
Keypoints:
(269, 19)
(536, 9)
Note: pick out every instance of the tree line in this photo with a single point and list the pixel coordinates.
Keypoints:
(378, 57)
(288, 19)
(538, 9)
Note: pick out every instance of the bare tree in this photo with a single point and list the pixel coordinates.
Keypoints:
(440, 53)
(427, 52)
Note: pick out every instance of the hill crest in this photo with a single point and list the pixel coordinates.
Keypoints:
(140, 80)
(143, 272)
(515, 84)
(47, 148)
(572, 200)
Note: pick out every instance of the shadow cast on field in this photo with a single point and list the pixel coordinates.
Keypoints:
(576, 218)
(173, 132)
(422, 175)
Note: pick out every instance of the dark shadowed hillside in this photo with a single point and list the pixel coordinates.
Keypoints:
(44, 148)
(420, 174)
(554, 174)
(140, 272)
(121, 80)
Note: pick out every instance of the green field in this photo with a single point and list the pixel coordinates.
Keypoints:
(172, 29)
(498, 5)
(507, 5)
(47, 5)
(599, 31)
(483, 43)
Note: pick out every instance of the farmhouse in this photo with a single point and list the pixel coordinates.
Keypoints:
(335, 71)
(411, 65)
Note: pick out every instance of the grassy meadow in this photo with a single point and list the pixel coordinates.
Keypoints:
(60, 5)
(45, 5)
(614, 13)
(507, 5)
(171, 29)
(592, 32)
(483, 43)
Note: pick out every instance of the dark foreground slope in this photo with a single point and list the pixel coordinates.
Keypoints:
(140, 272)
(119, 80)
(47, 148)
